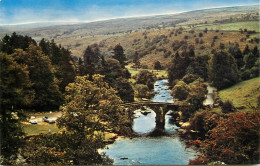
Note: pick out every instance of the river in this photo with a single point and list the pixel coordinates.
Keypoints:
(163, 150)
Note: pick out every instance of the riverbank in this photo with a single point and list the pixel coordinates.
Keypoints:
(143, 149)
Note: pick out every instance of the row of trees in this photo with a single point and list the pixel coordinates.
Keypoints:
(42, 77)
(116, 75)
(223, 67)
(30, 80)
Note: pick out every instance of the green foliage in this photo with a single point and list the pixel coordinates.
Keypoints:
(116, 76)
(15, 93)
(181, 64)
(146, 77)
(63, 149)
(45, 84)
(119, 54)
(142, 91)
(235, 51)
(88, 104)
(10, 43)
(234, 140)
(203, 121)
(199, 66)
(191, 96)
(227, 107)
(124, 89)
(157, 65)
(62, 62)
(189, 78)
(197, 94)
(180, 90)
(222, 69)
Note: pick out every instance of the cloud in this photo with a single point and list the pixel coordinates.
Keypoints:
(92, 12)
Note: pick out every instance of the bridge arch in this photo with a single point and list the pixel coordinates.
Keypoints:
(160, 109)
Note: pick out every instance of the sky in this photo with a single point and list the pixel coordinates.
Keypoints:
(14, 12)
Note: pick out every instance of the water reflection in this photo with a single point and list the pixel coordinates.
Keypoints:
(144, 123)
(163, 150)
(150, 151)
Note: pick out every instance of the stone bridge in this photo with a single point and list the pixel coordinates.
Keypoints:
(160, 109)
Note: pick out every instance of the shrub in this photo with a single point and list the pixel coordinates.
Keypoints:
(203, 121)
(180, 90)
(142, 91)
(227, 107)
(189, 78)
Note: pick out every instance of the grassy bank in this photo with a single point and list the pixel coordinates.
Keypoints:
(249, 25)
(43, 128)
(242, 94)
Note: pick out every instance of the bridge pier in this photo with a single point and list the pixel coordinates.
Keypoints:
(160, 118)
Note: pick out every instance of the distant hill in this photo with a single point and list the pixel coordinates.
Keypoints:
(76, 37)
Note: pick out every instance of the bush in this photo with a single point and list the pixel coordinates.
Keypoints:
(204, 121)
(227, 107)
(189, 78)
(142, 91)
(180, 90)
(145, 77)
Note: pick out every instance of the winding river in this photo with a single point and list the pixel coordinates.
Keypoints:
(163, 150)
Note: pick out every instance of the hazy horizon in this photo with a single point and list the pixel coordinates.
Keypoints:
(21, 12)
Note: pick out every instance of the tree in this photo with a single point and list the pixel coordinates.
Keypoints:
(10, 43)
(246, 50)
(90, 103)
(234, 140)
(235, 51)
(180, 90)
(177, 67)
(222, 70)
(62, 62)
(119, 55)
(199, 66)
(142, 91)
(90, 108)
(124, 89)
(15, 93)
(157, 65)
(45, 84)
(145, 77)
(136, 60)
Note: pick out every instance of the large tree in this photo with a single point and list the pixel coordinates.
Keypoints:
(15, 93)
(91, 103)
(119, 54)
(45, 84)
(223, 70)
(177, 67)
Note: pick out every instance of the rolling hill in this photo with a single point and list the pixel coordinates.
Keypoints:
(77, 37)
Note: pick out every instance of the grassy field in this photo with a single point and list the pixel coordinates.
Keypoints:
(249, 25)
(242, 93)
(158, 73)
(41, 127)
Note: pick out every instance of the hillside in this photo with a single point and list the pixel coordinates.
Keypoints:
(78, 36)
(242, 94)
(161, 45)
